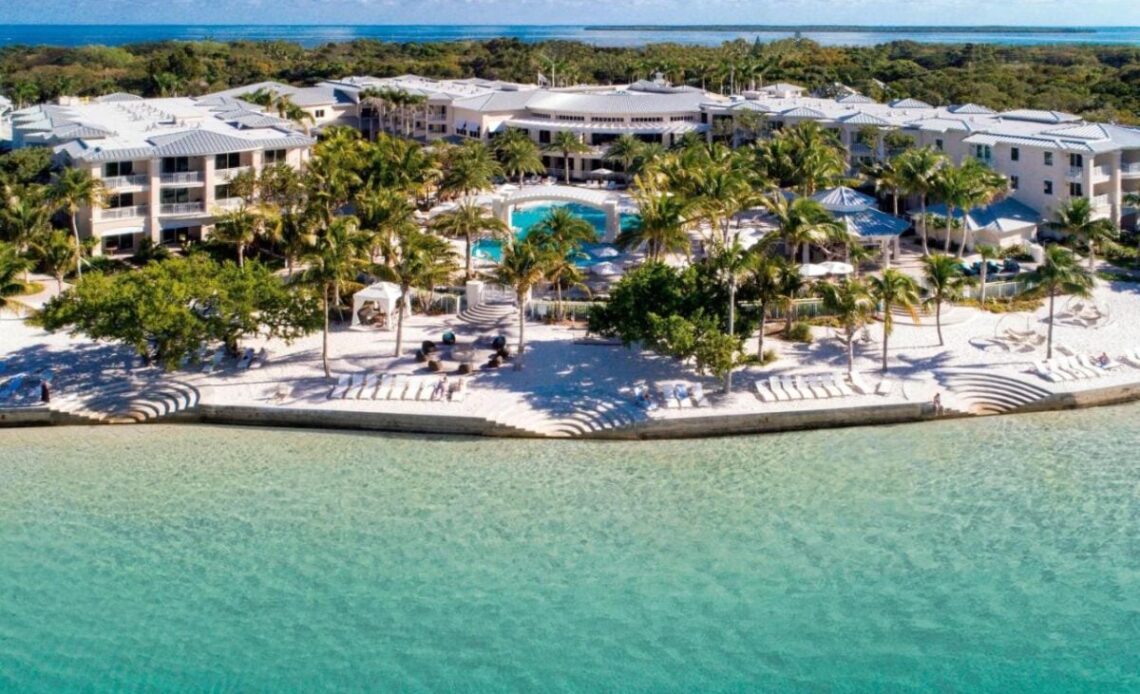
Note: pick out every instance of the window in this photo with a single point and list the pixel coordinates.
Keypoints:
(118, 168)
(1076, 190)
(1014, 182)
(1048, 159)
(543, 137)
(938, 145)
(1014, 154)
(121, 200)
(1076, 161)
(1048, 187)
(179, 237)
(319, 113)
(983, 152)
(274, 156)
(170, 196)
(223, 191)
(175, 165)
(231, 160)
(118, 243)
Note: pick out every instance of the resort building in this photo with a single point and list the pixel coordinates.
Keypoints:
(166, 164)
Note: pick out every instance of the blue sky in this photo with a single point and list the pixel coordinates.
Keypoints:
(940, 12)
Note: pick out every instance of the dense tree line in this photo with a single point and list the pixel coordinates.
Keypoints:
(1097, 81)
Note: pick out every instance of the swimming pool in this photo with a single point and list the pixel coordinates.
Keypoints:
(523, 220)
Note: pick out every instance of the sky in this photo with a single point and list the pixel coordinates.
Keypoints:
(869, 12)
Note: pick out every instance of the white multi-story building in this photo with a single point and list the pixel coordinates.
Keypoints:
(165, 164)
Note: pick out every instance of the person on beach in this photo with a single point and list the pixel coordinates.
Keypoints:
(937, 402)
(45, 392)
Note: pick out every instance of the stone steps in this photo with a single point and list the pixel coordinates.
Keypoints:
(489, 316)
(988, 393)
(130, 401)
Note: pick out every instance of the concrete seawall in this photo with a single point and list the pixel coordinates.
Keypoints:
(667, 428)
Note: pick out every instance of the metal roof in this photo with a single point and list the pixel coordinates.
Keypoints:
(855, 98)
(969, 109)
(872, 223)
(1035, 116)
(861, 118)
(803, 112)
(1002, 216)
(843, 199)
(909, 103)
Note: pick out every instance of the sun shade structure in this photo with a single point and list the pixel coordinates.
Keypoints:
(384, 294)
(1003, 223)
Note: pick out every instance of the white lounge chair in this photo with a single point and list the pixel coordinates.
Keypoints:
(804, 387)
(886, 387)
(1043, 370)
(459, 390)
(858, 384)
(838, 383)
(698, 395)
(789, 386)
(215, 361)
(762, 391)
(246, 358)
(427, 385)
(829, 384)
(385, 387)
(777, 388)
(341, 388)
(260, 359)
(369, 389)
(667, 396)
(355, 385)
(399, 385)
(683, 393)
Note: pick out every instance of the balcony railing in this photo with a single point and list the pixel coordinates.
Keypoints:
(1099, 200)
(182, 208)
(181, 177)
(1131, 168)
(225, 175)
(123, 212)
(134, 181)
(1102, 172)
(228, 203)
(1075, 172)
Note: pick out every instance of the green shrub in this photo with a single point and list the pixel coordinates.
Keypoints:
(800, 332)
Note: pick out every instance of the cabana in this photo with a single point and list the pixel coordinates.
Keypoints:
(859, 215)
(384, 294)
(1004, 223)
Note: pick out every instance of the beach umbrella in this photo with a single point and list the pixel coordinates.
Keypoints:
(605, 270)
(607, 252)
(602, 172)
(834, 267)
(812, 270)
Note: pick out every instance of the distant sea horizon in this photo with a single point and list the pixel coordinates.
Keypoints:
(310, 35)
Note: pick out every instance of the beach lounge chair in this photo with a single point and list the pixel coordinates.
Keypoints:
(803, 386)
(1074, 367)
(246, 358)
(1043, 370)
(11, 386)
(260, 359)
(762, 391)
(818, 384)
(777, 389)
(827, 382)
(698, 395)
(383, 388)
(838, 383)
(355, 385)
(215, 361)
(681, 392)
(341, 388)
(459, 390)
(858, 384)
(886, 387)
(370, 383)
(427, 385)
(789, 386)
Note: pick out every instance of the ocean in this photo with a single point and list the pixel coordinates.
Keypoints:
(314, 35)
(982, 555)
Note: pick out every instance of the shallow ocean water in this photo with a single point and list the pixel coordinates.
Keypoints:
(998, 554)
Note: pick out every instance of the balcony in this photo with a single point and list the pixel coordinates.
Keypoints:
(228, 204)
(1102, 172)
(1130, 169)
(1100, 201)
(181, 178)
(227, 175)
(120, 182)
(182, 208)
(123, 212)
(1075, 173)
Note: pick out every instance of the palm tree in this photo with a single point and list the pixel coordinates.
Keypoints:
(335, 258)
(988, 253)
(72, 190)
(386, 213)
(238, 228)
(984, 186)
(624, 152)
(801, 221)
(25, 218)
(518, 154)
(732, 264)
(1060, 274)
(56, 253)
(11, 265)
(661, 225)
(850, 304)
(944, 282)
(1075, 218)
(887, 181)
(470, 168)
(918, 175)
(423, 260)
(894, 289)
(469, 221)
(562, 234)
(524, 265)
(567, 143)
(765, 272)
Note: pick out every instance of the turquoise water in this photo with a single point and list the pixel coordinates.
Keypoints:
(997, 555)
(524, 218)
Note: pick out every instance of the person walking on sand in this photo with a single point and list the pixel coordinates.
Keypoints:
(937, 403)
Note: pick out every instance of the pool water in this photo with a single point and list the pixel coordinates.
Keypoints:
(525, 218)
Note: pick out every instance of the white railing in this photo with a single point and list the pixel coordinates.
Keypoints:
(228, 203)
(1102, 171)
(136, 180)
(1099, 201)
(1000, 289)
(182, 177)
(1130, 168)
(226, 175)
(182, 208)
(122, 212)
(1075, 172)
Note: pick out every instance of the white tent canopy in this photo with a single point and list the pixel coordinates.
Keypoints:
(384, 294)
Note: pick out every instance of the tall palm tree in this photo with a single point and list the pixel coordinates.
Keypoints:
(71, 191)
(25, 218)
(470, 168)
(944, 282)
(566, 143)
(662, 224)
(237, 228)
(732, 264)
(765, 272)
(562, 234)
(1060, 274)
(518, 154)
(56, 252)
(1075, 218)
(887, 181)
(918, 175)
(423, 260)
(469, 221)
(893, 289)
(335, 258)
(801, 221)
(624, 152)
(523, 266)
(984, 186)
(386, 213)
(988, 253)
(849, 301)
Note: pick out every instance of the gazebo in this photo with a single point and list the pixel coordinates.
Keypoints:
(863, 219)
(384, 294)
(1003, 223)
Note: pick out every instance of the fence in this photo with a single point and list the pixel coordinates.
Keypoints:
(1008, 289)
(541, 308)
